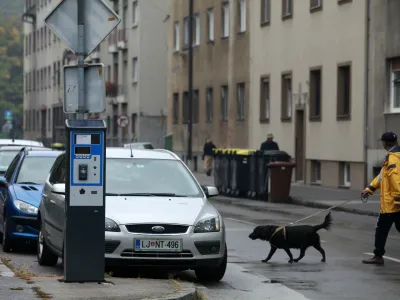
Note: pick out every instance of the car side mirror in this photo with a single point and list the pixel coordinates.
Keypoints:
(211, 191)
(58, 188)
(3, 181)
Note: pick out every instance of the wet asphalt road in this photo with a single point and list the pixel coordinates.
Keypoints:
(341, 277)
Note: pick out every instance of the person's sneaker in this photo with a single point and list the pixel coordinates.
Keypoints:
(374, 261)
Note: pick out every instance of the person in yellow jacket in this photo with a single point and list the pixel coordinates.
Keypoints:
(388, 181)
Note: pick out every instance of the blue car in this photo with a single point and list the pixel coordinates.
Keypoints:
(20, 195)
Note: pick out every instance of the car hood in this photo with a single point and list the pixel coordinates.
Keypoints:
(166, 210)
(30, 193)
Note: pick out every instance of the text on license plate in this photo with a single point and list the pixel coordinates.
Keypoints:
(154, 245)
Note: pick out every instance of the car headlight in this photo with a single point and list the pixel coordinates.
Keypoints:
(111, 226)
(25, 207)
(208, 225)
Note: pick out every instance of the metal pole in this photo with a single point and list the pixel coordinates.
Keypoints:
(190, 84)
(81, 60)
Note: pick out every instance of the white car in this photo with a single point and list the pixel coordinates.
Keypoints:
(157, 214)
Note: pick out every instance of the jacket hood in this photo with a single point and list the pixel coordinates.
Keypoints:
(29, 193)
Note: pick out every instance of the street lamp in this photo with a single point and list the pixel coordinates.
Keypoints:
(190, 85)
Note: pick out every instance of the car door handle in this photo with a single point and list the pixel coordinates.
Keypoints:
(52, 202)
(44, 195)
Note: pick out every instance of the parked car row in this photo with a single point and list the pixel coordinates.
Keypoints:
(157, 214)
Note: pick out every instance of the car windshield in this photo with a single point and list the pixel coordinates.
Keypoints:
(148, 177)
(6, 158)
(34, 169)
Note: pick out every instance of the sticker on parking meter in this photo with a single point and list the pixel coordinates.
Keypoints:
(83, 139)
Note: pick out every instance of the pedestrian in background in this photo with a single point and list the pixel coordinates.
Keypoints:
(208, 156)
(388, 181)
(269, 144)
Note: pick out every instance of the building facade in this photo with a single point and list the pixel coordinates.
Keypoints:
(221, 75)
(308, 86)
(140, 93)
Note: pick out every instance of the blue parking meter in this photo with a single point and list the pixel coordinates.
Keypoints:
(84, 234)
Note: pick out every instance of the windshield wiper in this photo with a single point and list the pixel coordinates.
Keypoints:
(167, 195)
(27, 182)
(148, 194)
(112, 194)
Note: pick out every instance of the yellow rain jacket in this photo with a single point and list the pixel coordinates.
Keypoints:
(388, 181)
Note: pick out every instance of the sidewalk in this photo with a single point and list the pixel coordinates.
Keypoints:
(29, 287)
(313, 196)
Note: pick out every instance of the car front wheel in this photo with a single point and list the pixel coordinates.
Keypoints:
(45, 256)
(7, 243)
(213, 274)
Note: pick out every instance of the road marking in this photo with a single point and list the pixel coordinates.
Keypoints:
(387, 257)
(241, 221)
(6, 271)
(322, 241)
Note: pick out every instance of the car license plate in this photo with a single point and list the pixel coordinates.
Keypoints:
(158, 245)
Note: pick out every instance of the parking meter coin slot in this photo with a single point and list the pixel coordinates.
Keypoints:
(83, 172)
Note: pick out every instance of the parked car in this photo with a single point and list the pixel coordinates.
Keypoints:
(15, 142)
(20, 194)
(139, 146)
(157, 214)
(7, 154)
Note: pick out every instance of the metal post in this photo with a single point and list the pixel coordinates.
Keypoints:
(190, 85)
(81, 60)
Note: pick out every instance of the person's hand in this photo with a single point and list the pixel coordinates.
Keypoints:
(364, 194)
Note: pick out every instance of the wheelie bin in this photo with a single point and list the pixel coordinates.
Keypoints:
(240, 171)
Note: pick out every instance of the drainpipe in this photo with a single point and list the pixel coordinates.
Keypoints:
(367, 70)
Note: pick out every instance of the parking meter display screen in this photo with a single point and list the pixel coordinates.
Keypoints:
(82, 150)
(87, 139)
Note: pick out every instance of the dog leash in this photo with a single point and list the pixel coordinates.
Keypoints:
(363, 200)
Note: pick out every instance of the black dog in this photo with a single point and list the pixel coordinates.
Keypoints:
(292, 237)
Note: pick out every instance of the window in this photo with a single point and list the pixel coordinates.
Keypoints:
(176, 36)
(344, 92)
(264, 99)
(224, 103)
(134, 69)
(344, 176)
(315, 4)
(150, 176)
(394, 104)
(315, 94)
(196, 30)
(49, 77)
(344, 1)
(210, 24)
(286, 108)
(265, 11)
(35, 169)
(240, 100)
(287, 8)
(135, 13)
(186, 32)
(315, 171)
(209, 105)
(195, 107)
(175, 108)
(242, 15)
(225, 20)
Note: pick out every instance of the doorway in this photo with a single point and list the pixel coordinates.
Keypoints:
(299, 145)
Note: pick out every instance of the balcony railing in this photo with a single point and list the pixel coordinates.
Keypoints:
(122, 35)
(114, 90)
(112, 38)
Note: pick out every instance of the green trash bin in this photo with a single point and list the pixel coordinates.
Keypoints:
(240, 171)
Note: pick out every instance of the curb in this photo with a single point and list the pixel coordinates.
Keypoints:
(298, 201)
(187, 294)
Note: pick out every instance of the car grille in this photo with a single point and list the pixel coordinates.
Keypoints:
(155, 254)
(110, 246)
(146, 228)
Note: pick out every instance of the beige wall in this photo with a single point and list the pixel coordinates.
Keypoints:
(224, 62)
(326, 38)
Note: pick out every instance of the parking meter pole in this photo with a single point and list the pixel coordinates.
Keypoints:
(84, 234)
(81, 61)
